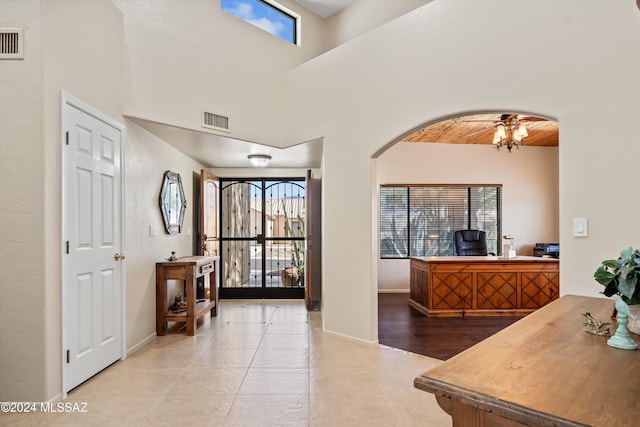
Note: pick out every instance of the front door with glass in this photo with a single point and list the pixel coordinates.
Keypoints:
(262, 238)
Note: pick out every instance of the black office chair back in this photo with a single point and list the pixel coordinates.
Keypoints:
(471, 242)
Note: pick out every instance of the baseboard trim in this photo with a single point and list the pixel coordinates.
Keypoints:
(141, 344)
(55, 399)
(352, 339)
(393, 291)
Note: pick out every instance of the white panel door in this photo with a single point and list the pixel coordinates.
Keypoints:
(92, 258)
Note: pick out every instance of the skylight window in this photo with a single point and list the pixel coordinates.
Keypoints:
(268, 15)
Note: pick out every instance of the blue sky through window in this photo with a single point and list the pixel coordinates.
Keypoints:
(264, 16)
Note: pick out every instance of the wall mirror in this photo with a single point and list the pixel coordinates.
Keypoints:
(172, 202)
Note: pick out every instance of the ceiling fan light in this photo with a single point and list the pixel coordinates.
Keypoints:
(516, 136)
(259, 160)
(501, 135)
(522, 131)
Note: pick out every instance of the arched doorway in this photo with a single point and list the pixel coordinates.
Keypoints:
(458, 150)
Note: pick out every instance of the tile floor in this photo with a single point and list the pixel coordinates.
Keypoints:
(259, 363)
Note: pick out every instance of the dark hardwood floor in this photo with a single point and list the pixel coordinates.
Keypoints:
(403, 327)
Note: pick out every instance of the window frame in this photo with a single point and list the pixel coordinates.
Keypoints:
(468, 218)
(283, 10)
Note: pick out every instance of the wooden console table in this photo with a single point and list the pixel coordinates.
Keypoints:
(482, 286)
(543, 370)
(188, 269)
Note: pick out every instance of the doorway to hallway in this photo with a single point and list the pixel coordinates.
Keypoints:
(262, 238)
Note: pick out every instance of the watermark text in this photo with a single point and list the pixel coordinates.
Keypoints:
(23, 407)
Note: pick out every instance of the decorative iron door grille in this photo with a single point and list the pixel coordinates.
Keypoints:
(262, 238)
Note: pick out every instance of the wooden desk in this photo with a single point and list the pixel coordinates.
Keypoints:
(482, 285)
(542, 371)
(188, 269)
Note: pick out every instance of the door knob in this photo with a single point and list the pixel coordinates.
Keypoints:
(119, 257)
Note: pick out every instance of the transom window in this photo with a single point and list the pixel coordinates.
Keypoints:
(420, 220)
(268, 15)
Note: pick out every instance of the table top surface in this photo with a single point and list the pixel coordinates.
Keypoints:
(547, 368)
(470, 259)
(189, 260)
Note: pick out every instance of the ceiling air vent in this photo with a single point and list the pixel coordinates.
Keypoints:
(215, 121)
(11, 44)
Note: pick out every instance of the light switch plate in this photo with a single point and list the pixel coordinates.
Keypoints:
(580, 227)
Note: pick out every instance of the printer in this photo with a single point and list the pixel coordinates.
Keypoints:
(547, 249)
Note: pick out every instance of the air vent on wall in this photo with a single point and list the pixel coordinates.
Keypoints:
(11, 45)
(215, 121)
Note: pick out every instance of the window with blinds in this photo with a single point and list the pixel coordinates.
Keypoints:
(420, 220)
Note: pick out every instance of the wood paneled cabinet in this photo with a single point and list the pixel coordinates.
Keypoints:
(482, 286)
(188, 269)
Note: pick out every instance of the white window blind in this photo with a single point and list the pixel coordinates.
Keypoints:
(421, 220)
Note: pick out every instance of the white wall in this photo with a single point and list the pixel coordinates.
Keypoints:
(75, 46)
(448, 58)
(186, 55)
(74, 64)
(263, 172)
(363, 16)
(147, 158)
(88, 67)
(55, 58)
(529, 179)
(22, 324)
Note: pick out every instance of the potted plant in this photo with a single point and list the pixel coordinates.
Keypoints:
(294, 275)
(622, 277)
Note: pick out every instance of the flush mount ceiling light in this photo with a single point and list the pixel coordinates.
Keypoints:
(259, 160)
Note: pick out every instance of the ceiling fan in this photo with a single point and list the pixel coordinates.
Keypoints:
(510, 130)
(504, 119)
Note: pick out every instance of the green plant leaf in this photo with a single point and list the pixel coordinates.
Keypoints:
(611, 289)
(635, 299)
(603, 276)
(627, 271)
(626, 254)
(620, 276)
(627, 286)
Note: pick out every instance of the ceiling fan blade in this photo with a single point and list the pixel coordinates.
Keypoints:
(532, 119)
(477, 121)
(480, 131)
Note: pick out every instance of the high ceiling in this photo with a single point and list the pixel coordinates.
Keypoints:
(479, 129)
(325, 8)
(217, 151)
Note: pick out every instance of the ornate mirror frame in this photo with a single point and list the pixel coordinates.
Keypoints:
(172, 202)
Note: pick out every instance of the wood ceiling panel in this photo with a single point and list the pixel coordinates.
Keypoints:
(479, 129)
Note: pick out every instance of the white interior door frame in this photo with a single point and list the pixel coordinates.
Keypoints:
(69, 101)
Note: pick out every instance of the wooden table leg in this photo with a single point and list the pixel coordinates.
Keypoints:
(190, 285)
(161, 293)
(213, 289)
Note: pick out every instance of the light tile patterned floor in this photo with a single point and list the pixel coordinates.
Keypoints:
(259, 363)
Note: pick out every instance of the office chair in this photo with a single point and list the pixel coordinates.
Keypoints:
(471, 242)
